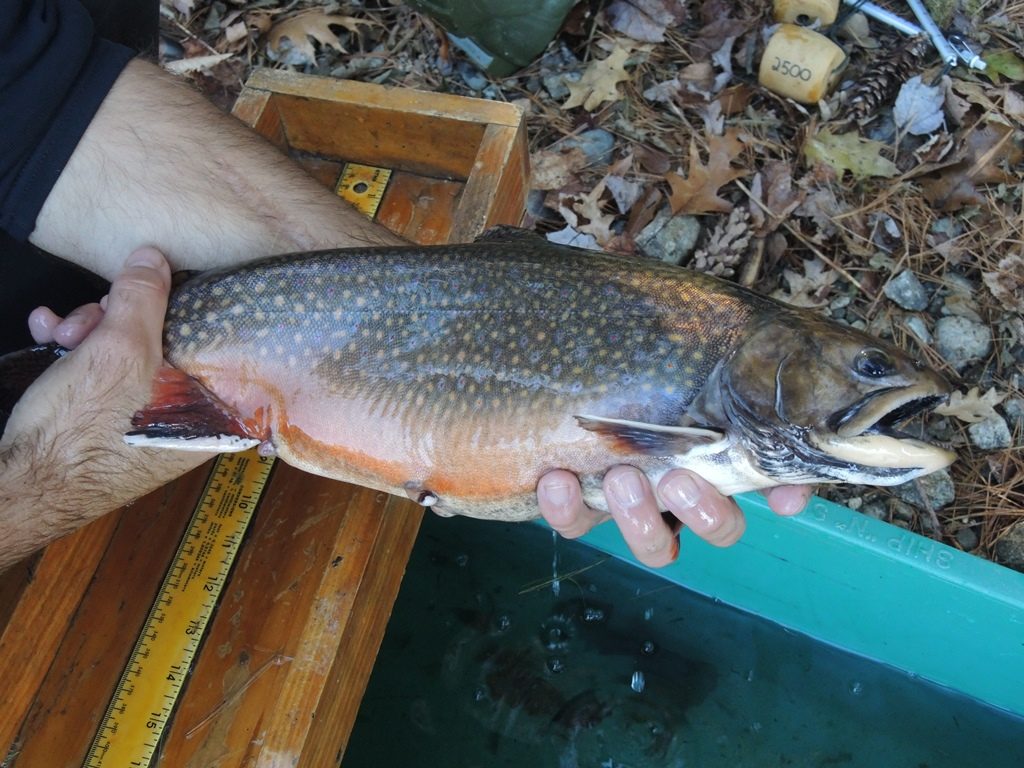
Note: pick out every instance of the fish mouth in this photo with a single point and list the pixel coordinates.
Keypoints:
(867, 432)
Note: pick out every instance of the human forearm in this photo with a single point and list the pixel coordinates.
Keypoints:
(161, 165)
(63, 459)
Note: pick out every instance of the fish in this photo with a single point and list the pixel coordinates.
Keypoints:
(458, 375)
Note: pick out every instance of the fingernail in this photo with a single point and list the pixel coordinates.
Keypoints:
(144, 257)
(682, 490)
(628, 489)
(556, 494)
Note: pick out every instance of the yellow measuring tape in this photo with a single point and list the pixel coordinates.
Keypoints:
(144, 700)
(363, 186)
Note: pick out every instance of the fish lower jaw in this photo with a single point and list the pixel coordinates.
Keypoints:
(886, 452)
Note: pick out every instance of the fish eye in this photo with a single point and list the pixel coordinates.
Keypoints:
(873, 363)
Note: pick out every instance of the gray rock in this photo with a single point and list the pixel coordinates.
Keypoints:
(917, 326)
(1014, 408)
(471, 76)
(990, 434)
(875, 509)
(669, 238)
(555, 85)
(937, 488)
(596, 144)
(906, 290)
(967, 538)
(961, 340)
(1010, 546)
(902, 512)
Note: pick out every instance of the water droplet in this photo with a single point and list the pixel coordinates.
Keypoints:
(555, 665)
(461, 560)
(638, 682)
(503, 622)
(480, 693)
(648, 648)
(593, 614)
(648, 614)
(755, 726)
(556, 633)
(750, 675)
(856, 687)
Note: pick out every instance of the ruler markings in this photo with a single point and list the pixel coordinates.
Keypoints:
(147, 692)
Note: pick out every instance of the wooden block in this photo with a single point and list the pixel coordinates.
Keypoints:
(287, 656)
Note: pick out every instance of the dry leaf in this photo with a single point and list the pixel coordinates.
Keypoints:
(625, 193)
(300, 30)
(850, 152)
(599, 81)
(589, 207)
(196, 63)
(1007, 283)
(184, 7)
(569, 236)
(918, 107)
(810, 289)
(552, 169)
(972, 407)
(986, 154)
(645, 20)
(697, 192)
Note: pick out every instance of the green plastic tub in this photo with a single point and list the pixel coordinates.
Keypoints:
(868, 587)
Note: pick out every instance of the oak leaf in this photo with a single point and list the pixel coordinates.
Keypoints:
(810, 289)
(600, 80)
(1007, 282)
(301, 29)
(697, 192)
(645, 20)
(972, 407)
(850, 152)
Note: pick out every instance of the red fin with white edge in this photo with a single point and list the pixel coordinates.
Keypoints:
(182, 414)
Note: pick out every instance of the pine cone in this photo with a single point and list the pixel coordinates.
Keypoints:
(726, 246)
(882, 79)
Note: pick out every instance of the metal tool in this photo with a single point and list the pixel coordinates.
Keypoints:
(890, 19)
(967, 56)
(931, 29)
(950, 48)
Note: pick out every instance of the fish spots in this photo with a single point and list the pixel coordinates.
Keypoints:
(185, 330)
(279, 301)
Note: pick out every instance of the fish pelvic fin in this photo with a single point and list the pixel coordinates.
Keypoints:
(182, 414)
(650, 439)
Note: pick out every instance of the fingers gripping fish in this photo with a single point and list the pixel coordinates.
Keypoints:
(459, 374)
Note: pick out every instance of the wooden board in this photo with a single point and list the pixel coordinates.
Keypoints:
(281, 672)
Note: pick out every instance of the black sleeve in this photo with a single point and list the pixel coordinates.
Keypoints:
(54, 73)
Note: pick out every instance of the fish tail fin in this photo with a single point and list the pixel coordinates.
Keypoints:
(18, 370)
(182, 414)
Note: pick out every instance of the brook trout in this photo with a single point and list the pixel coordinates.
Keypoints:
(459, 374)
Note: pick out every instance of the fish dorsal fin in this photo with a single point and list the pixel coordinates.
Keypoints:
(652, 439)
(505, 233)
(182, 414)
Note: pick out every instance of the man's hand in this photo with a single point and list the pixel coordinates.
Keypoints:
(63, 460)
(636, 509)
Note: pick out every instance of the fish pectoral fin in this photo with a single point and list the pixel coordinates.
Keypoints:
(184, 415)
(653, 439)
